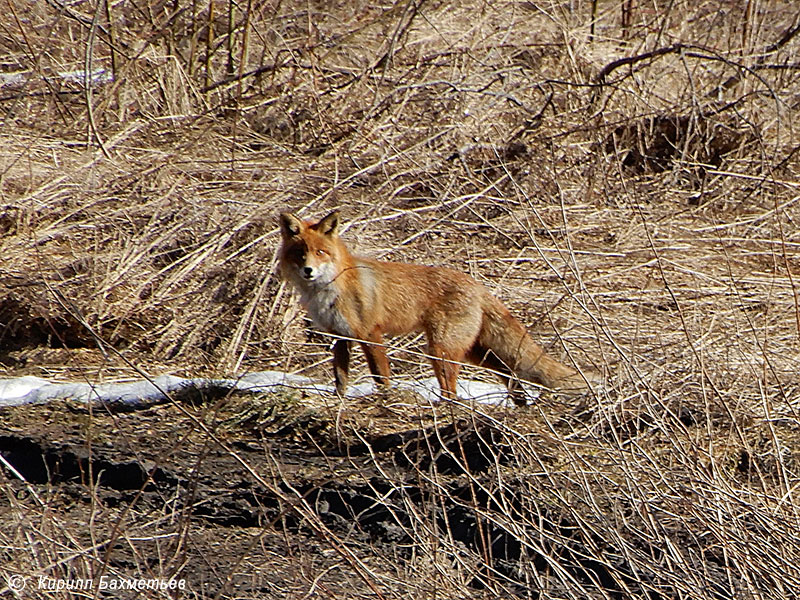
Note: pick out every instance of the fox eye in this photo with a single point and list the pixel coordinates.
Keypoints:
(321, 252)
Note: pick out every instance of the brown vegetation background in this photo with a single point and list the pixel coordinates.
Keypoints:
(624, 175)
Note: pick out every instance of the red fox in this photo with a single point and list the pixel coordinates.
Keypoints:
(363, 299)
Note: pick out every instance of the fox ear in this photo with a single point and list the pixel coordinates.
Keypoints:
(329, 225)
(290, 225)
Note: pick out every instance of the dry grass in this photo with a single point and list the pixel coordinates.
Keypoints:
(640, 216)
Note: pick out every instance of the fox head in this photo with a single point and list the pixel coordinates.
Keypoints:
(311, 253)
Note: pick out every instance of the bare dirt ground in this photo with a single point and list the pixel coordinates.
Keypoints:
(623, 175)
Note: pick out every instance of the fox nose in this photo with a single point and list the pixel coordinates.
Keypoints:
(308, 271)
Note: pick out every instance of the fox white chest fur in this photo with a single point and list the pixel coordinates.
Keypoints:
(319, 298)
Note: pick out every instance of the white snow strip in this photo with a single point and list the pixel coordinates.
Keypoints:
(28, 389)
(98, 76)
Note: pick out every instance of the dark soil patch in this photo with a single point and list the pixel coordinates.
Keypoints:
(272, 482)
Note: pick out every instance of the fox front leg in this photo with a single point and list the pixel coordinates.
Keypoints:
(377, 360)
(341, 365)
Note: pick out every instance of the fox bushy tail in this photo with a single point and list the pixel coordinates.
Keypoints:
(509, 341)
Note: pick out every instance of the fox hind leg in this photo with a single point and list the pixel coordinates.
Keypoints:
(446, 366)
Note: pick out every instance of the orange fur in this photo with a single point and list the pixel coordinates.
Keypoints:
(365, 299)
